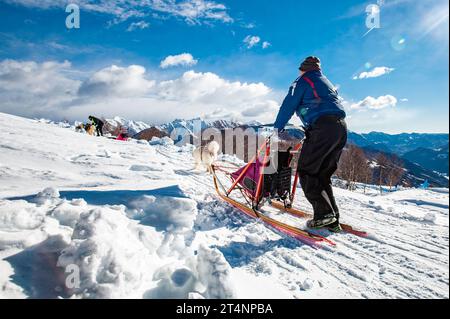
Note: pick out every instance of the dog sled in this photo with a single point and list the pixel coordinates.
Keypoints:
(266, 186)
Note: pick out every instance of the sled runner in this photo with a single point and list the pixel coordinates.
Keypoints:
(268, 181)
(299, 213)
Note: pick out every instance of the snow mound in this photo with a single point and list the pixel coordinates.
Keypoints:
(24, 224)
(48, 194)
(169, 214)
(430, 218)
(173, 283)
(215, 273)
(165, 141)
(26, 218)
(206, 276)
(111, 255)
(307, 284)
(68, 213)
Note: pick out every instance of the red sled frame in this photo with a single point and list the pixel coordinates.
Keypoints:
(305, 236)
(255, 200)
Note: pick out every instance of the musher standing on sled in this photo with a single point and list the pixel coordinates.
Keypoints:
(316, 102)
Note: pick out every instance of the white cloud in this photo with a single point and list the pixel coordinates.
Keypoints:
(116, 81)
(43, 4)
(248, 25)
(184, 59)
(378, 103)
(210, 89)
(40, 78)
(382, 114)
(374, 73)
(261, 109)
(28, 86)
(254, 40)
(221, 114)
(138, 25)
(200, 94)
(251, 41)
(191, 11)
(404, 100)
(47, 90)
(266, 45)
(56, 46)
(208, 95)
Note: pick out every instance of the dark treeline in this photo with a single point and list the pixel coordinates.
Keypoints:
(383, 169)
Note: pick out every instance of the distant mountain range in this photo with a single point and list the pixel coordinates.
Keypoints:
(187, 130)
(399, 144)
(198, 124)
(433, 159)
(431, 151)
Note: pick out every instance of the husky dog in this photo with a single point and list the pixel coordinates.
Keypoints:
(90, 129)
(206, 155)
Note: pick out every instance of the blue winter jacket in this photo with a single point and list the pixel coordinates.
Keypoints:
(311, 96)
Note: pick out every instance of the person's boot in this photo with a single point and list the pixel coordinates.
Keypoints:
(322, 222)
(335, 227)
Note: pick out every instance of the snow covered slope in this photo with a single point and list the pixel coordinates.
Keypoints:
(135, 221)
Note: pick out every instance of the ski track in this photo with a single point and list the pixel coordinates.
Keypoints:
(405, 256)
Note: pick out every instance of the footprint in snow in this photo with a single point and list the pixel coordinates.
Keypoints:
(105, 153)
(145, 168)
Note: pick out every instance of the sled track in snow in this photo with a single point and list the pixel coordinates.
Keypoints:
(390, 264)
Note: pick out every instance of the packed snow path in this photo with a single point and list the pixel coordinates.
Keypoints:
(139, 222)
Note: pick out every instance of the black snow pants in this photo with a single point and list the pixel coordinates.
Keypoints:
(98, 125)
(318, 161)
(99, 128)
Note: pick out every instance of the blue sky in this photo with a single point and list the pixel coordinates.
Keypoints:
(239, 59)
